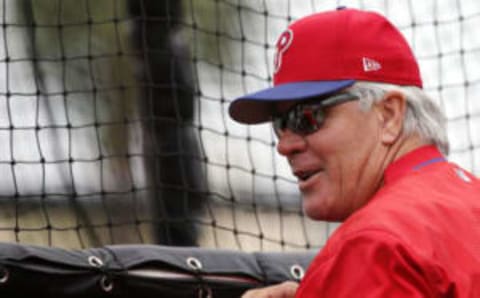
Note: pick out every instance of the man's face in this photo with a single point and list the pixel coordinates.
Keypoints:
(338, 166)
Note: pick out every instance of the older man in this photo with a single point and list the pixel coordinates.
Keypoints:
(367, 146)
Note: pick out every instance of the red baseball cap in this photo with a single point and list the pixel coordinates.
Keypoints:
(325, 52)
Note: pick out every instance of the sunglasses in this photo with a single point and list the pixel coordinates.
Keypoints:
(307, 117)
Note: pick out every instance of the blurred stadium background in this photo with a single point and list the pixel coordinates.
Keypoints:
(114, 125)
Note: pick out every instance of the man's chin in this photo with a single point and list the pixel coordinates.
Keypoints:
(324, 212)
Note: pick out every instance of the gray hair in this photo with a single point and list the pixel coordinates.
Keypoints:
(423, 115)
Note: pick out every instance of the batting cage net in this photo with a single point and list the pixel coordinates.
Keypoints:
(114, 126)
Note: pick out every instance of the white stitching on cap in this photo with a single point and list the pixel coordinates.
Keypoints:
(283, 43)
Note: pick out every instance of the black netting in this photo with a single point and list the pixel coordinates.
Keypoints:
(113, 122)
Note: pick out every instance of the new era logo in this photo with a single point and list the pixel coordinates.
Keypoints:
(370, 64)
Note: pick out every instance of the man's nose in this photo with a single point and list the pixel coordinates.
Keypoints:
(290, 143)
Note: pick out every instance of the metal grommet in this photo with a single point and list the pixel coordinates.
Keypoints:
(95, 261)
(297, 272)
(4, 275)
(194, 263)
(106, 284)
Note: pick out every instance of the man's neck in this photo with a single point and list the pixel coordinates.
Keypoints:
(405, 145)
(401, 147)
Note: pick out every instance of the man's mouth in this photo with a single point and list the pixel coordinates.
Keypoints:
(303, 176)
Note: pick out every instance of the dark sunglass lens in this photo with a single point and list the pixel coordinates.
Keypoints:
(305, 122)
(307, 118)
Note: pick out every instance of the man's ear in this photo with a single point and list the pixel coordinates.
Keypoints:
(391, 112)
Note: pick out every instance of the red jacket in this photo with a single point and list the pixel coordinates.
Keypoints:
(419, 236)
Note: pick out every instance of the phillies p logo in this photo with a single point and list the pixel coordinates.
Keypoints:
(282, 45)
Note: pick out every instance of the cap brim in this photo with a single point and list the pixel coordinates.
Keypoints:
(258, 107)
